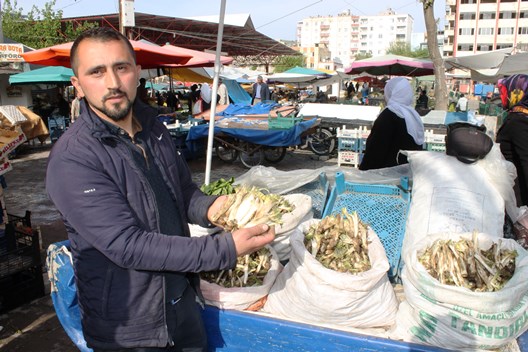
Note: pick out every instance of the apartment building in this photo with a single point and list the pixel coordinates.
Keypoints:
(474, 26)
(345, 35)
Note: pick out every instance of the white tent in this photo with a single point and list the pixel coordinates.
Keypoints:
(491, 66)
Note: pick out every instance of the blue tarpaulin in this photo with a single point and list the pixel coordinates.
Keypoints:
(243, 109)
(236, 93)
(272, 138)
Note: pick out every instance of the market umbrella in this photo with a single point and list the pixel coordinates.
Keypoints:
(199, 58)
(50, 74)
(307, 71)
(392, 65)
(147, 55)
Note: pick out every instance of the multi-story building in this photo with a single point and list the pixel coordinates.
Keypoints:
(346, 35)
(474, 26)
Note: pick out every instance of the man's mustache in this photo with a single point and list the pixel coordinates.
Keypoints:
(113, 94)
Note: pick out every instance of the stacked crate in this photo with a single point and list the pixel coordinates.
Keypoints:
(21, 278)
(351, 145)
(434, 142)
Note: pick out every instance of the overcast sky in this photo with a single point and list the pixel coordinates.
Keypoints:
(274, 18)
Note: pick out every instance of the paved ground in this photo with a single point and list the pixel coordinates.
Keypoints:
(35, 326)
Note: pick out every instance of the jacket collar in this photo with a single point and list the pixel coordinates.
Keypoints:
(144, 114)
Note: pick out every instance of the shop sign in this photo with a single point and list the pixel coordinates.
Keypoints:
(11, 53)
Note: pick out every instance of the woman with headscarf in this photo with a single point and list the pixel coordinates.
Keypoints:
(397, 127)
(205, 94)
(513, 134)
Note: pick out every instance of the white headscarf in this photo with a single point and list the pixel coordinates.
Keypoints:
(205, 93)
(399, 97)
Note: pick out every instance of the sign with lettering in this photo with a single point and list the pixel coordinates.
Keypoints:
(11, 53)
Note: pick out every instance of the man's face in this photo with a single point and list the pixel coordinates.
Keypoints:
(107, 77)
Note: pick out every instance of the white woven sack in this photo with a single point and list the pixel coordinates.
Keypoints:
(281, 243)
(199, 231)
(241, 298)
(302, 205)
(458, 318)
(450, 196)
(307, 291)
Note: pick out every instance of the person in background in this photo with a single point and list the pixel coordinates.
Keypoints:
(194, 96)
(63, 108)
(142, 92)
(126, 205)
(423, 100)
(75, 109)
(462, 104)
(261, 91)
(397, 127)
(205, 95)
(222, 93)
(513, 133)
(365, 93)
(350, 90)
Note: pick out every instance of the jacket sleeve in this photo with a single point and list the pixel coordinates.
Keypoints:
(94, 205)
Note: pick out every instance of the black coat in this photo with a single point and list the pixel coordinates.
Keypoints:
(513, 139)
(388, 136)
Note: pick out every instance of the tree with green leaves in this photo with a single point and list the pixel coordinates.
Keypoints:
(436, 56)
(285, 62)
(40, 27)
(403, 48)
(361, 56)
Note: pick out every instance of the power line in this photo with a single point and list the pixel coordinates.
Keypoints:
(291, 13)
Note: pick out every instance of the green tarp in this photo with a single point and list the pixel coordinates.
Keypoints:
(49, 74)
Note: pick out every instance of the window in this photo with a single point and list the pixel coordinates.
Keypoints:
(484, 47)
(466, 31)
(485, 31)
(507, 15)
(523, 14)
(487, 16)
(489, 1)
(465, 47)
(467, 16)
(504, 46)
(505, 30)
(468, 1)
(523, 30)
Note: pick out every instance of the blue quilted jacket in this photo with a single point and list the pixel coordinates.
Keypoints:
(119, 255)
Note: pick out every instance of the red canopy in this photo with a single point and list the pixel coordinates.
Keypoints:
(199, 58)
(147, 55)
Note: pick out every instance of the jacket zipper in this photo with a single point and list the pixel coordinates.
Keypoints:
(151, 192)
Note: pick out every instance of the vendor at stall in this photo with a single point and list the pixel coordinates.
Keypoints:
(397, 127)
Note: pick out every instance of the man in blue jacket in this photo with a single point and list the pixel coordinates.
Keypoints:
(126, 197)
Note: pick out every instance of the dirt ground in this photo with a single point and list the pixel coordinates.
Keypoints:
(35, 326)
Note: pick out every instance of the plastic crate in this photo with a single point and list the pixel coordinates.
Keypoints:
(282, 123)
(349, 157)
(57, 126)
(346, 143)
(435, 147)
(20, 264)
(383, 207)
(21, 288)
(318, 190)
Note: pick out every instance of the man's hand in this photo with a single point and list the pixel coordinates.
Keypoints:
(251, 239)
(215, 207)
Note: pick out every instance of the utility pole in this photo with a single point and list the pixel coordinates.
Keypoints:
(1, 27)
(126, 15)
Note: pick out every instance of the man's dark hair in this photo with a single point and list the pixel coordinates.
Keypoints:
(103, 34)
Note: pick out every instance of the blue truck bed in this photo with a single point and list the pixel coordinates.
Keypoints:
(230, 330)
